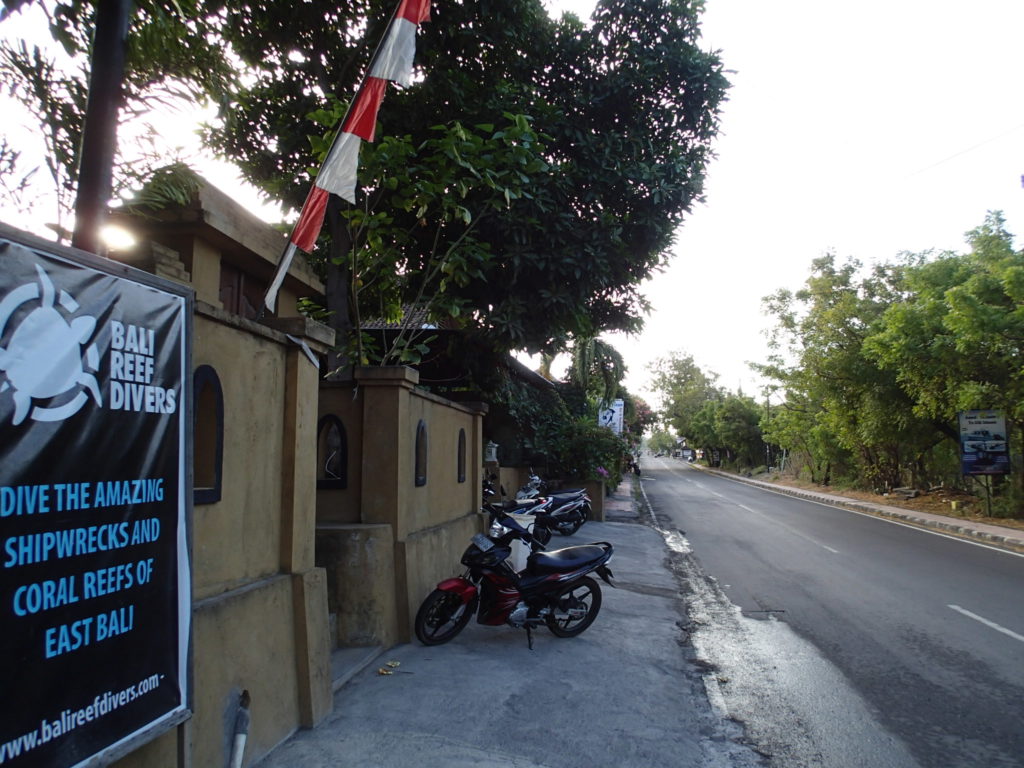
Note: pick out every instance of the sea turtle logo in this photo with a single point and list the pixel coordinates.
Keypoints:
(44, 358)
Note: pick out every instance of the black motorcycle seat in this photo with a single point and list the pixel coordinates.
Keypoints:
(568, 494)
(565, 560)
(511, 506)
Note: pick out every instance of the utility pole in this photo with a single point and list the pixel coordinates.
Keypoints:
(99, 134)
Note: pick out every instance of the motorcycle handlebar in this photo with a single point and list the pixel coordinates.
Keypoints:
(518, 531)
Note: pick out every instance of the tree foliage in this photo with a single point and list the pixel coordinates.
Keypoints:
(626, 110)
(707, 416)
(172, 61)
(957, 342)
(393, 279)
(597, 369)
(661, 441)
(564, 444)
(684, 389)
(862, 408)
(638, 419)
(875, 365)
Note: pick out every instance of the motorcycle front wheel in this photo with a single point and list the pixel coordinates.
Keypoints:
(441, 617)
(575, 608)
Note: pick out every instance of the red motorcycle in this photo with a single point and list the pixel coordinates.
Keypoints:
(554, 588)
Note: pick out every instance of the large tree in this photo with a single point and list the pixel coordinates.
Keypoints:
(823, 329)
(626, 110)
(875, 364)
(685, 388)
(955, 341)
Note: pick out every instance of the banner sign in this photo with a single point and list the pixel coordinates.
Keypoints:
(95, 587)
(983, 445)
(611, 417)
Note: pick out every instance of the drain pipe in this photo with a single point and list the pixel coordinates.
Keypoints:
(242, 720)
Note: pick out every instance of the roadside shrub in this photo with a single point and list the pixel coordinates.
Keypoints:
(584, 448)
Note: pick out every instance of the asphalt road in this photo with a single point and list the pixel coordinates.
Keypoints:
(856, 641)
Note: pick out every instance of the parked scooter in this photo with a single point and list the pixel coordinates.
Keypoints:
(535, 487)
(568, 511)
(532, 488)
(561, 512)
(554, 589)
(534, 507)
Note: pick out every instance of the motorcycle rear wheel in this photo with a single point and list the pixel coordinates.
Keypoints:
(585, 594)
(441, 617)
(568, 529)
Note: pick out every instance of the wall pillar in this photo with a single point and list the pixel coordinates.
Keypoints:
(387, 454)
(298, 519)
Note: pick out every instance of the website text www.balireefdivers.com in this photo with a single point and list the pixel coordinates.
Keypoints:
(70, 719)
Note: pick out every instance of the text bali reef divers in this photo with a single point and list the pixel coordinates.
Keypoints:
(132, 352)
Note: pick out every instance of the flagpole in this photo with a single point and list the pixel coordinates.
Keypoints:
(362, 82)
(284, 261)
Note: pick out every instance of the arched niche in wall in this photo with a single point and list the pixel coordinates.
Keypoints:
(208, 436)
(460, 460)
(421, 454)
(331, 453)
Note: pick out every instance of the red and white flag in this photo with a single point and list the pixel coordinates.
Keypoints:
(392, 61)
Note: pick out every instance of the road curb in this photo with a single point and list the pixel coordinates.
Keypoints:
(1008, 541)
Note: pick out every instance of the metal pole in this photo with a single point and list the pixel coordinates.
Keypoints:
(99, 134)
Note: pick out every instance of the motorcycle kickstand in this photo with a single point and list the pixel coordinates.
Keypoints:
(529, 637)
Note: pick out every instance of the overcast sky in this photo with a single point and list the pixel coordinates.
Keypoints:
(863, 128)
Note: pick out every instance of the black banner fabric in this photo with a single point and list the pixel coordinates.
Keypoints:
(94, 574)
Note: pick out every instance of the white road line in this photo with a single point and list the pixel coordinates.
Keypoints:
(889, 520)
(650, 509)
(987, 623)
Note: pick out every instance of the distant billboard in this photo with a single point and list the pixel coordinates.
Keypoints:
(611, 416)
(984, 449)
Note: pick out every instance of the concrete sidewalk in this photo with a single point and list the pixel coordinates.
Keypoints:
(622, 693)
(996, 535)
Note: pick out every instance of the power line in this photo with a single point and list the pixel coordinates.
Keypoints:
(965, 151)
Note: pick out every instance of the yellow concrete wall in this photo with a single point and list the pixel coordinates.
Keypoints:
(260, 611)
(241, 644)
(360, 564)
(206, 272)
(238, 539)
(443, 498)
(259, 604)
(596, 492)
(511, 479)
(387, 449)
(429, 526)
(243, 640)
(288, 299)
(162, 751)
(428, 556)
(260, 619)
